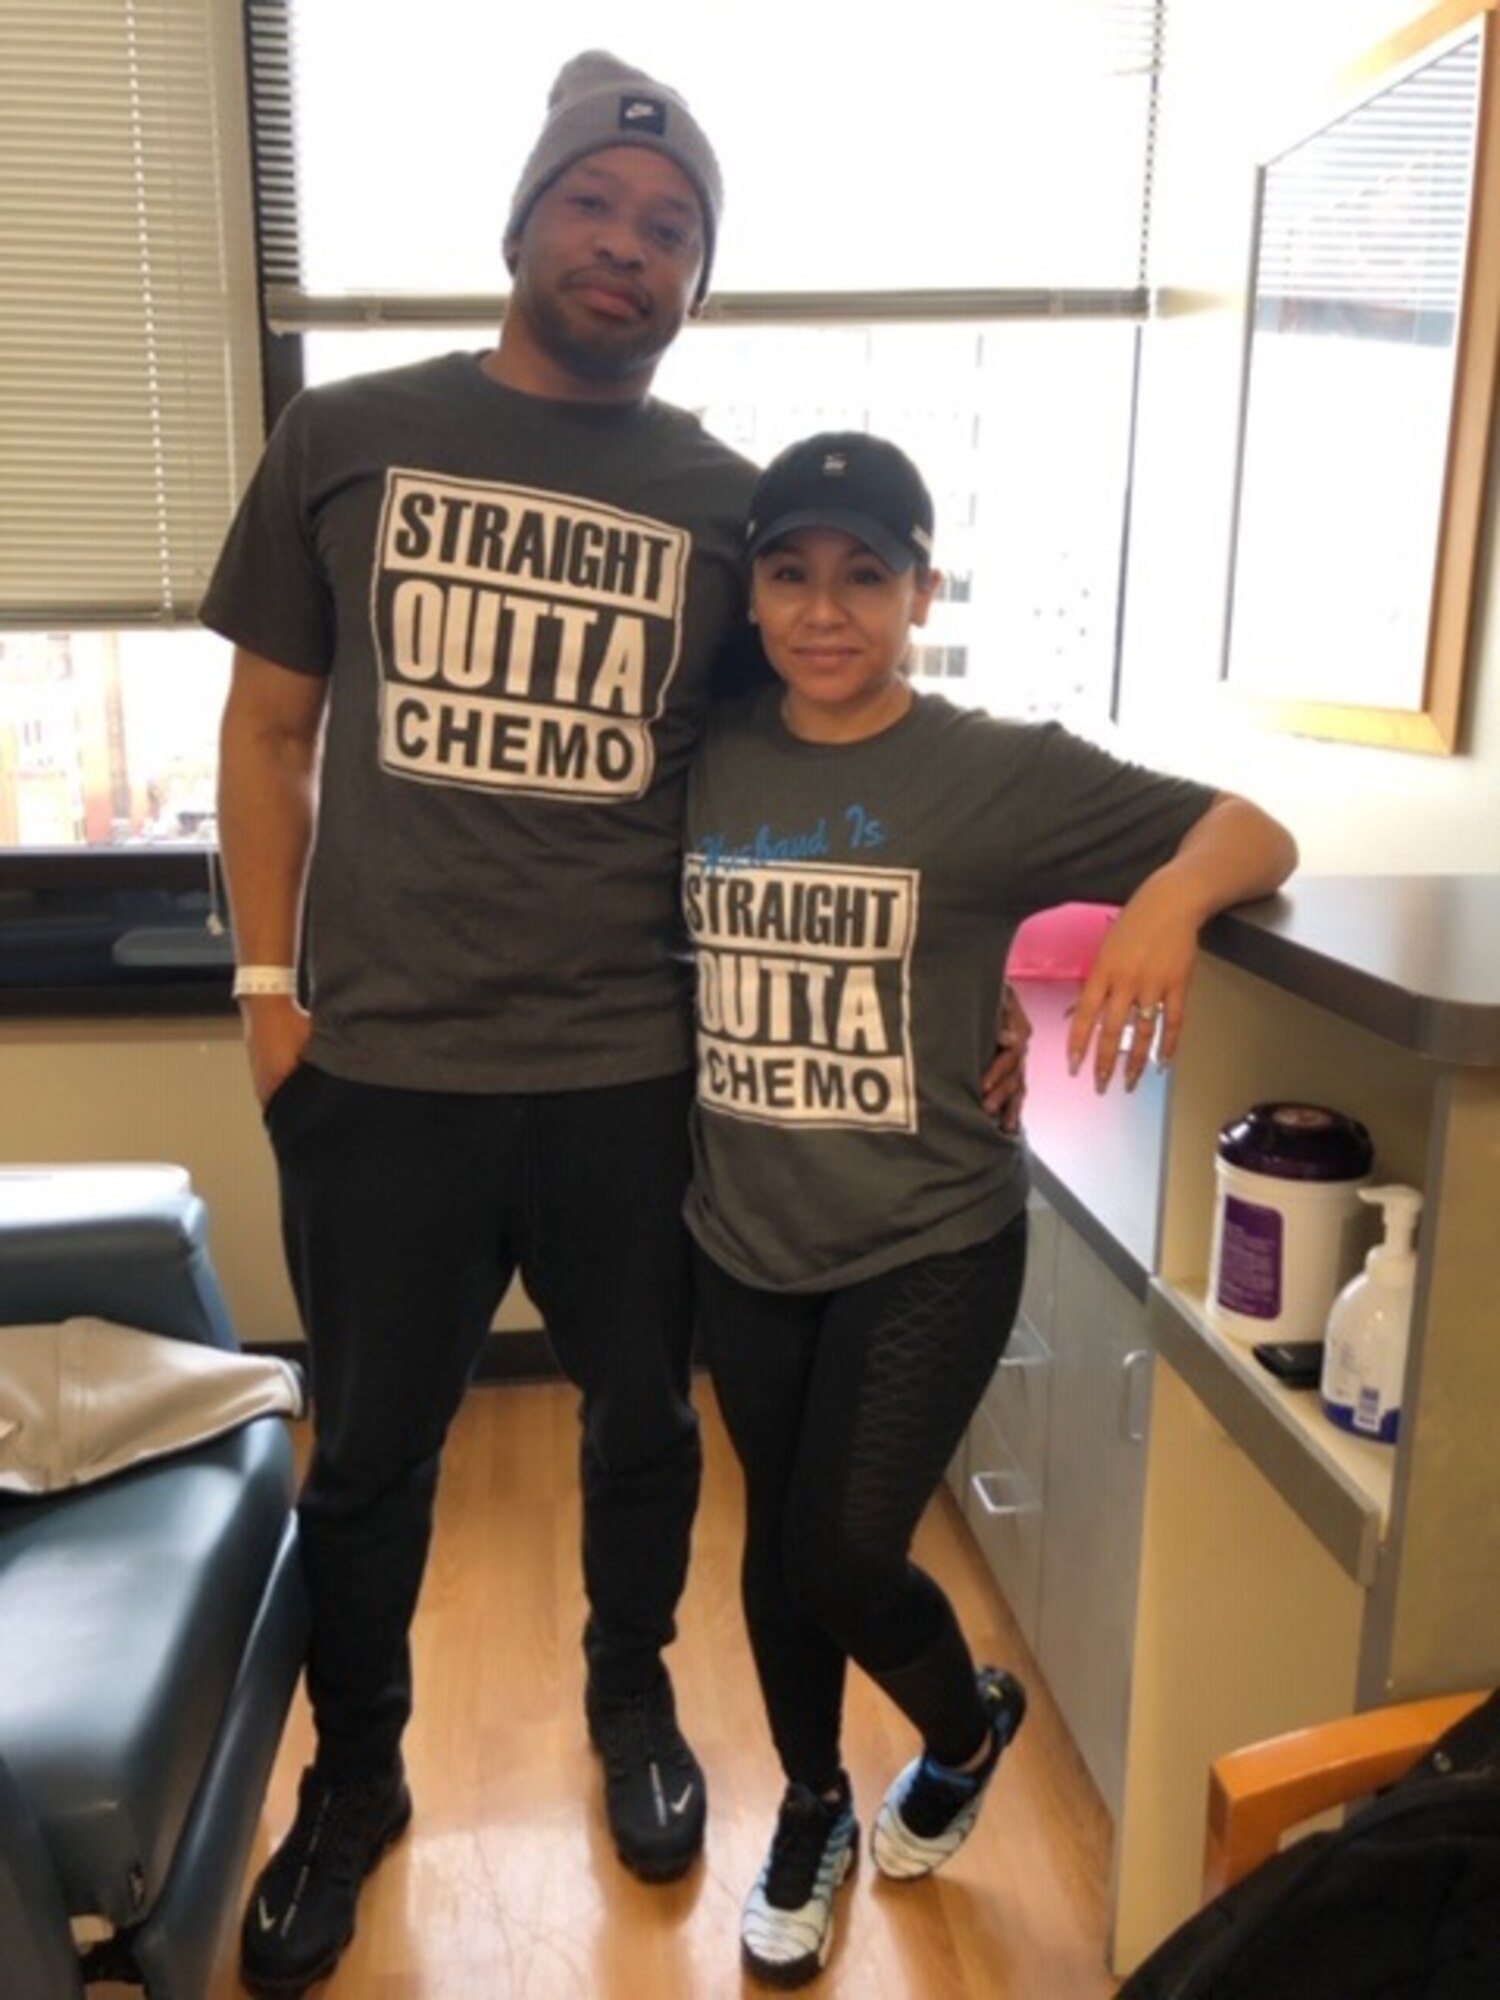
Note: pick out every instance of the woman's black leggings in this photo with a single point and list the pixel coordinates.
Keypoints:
(844, 1408)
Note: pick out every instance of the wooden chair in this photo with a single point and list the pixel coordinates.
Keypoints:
(1259, 1793)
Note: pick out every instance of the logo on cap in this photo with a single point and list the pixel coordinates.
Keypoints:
(835, 462)
(643, 114)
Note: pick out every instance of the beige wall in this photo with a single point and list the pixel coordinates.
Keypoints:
(1235, 76)
(165, 1090)
(148, 1090)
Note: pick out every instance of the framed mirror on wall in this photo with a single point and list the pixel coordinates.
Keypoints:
(1367, 397)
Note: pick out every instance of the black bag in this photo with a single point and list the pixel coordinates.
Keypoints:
(1400, 1903)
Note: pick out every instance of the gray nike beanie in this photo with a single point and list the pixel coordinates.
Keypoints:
(599, 101)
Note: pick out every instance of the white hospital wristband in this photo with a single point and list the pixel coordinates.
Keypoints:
(251, 981)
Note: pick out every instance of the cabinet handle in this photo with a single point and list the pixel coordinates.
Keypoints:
(1133, 1429)
(1026, 1348)
(983, 1484)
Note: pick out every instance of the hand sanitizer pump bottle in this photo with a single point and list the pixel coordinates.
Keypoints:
(1364, 1352)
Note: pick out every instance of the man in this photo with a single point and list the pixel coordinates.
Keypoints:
(475, 604)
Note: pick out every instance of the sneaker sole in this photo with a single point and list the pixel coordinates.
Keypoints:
(658, 1869)
(801, 1971)
(899, 1858)
(259, 1987)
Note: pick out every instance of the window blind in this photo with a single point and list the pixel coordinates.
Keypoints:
(1365, 226)
(130, 382)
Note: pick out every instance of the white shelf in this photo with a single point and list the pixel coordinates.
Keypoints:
(1339, 1485)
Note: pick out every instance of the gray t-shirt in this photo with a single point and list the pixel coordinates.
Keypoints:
(518, 603)
(852, 907)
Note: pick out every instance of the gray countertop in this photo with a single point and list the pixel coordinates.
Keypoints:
(1414, 958)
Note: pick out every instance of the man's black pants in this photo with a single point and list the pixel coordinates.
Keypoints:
(405, 1215)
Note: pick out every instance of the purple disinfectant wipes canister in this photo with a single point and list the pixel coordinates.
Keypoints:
(1288, 1224)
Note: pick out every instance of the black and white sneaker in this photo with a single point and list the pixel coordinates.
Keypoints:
(654, 1794)
(786, 1927)
(300, 1916)
(930, 1810)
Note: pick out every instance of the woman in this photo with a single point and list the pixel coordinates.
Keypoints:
(858, 857)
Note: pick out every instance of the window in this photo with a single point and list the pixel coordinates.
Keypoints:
(107, 737)
(993, 336)
(131, 412)
(858, 157)
(940, 663)
(948, 251)
(1029, 501)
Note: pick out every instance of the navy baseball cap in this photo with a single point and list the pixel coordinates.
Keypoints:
(863, 485)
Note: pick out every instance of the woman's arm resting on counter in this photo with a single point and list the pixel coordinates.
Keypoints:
(1140, 977)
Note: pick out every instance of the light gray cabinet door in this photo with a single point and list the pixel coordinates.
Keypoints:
(1006, 1472)
(1051, 1477)
(1003, 1485)
(957, 1474)
(1039, 1293)
(1091, 1525)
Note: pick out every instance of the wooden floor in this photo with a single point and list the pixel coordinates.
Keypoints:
(507, 1885)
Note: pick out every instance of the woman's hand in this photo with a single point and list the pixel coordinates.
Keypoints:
(1135, 996)
(1139, 981)
(1002, 1088)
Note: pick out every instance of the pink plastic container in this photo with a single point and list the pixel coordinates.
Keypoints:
(1060, 943)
